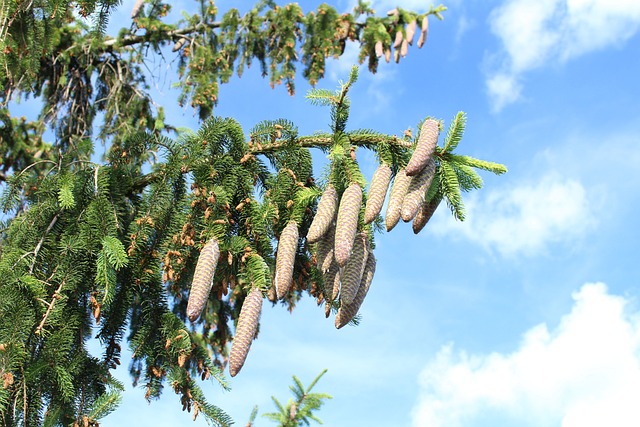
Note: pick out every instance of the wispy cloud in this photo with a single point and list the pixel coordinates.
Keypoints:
(536, 33)
(584, 372)
(524, 218)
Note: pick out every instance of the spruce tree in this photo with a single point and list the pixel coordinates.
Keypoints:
(110, 250)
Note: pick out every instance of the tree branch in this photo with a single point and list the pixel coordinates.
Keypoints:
(39, 245)
(133, 39)
(54, 298)
(255, 148)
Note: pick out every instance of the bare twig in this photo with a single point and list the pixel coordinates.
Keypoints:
(24, 395)
(54, 298)
(39, 245)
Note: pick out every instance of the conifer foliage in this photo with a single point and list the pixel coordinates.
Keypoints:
(169, 245)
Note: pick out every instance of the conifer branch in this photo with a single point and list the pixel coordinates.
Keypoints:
(361, 139)
(130, 40)
(54, 298)
(39, 245)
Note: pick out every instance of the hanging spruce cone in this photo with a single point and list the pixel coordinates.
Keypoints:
(347, 223)
(411, 30)
(398, 191)
(325, 214)
(424, 214)
(245, 331)
(398, 40)
(324, 250)
(178, 45)
(352, 273)
(417, 190)
(348, 311)
(203, 279)
(425, 31)
(285, 257)
(404, 48)
(387, 55)
(377, 192)
(271, 293)
(135, 11)
(331, 282)
(424, 148)
(379, 48)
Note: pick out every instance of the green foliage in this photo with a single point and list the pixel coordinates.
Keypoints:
(299, 410)
(455, 132)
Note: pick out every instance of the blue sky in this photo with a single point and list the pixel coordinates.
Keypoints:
(527, 313)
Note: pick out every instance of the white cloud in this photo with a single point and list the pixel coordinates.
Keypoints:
(583, 373)
(534, 33)
(526, 218)
(504, 89)
(463, 25)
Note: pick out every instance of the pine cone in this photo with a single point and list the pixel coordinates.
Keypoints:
(178, 45)
(379, 48)
(285, 257)
(377, 192)
(331, 282)
(135, 11)
(203, 279)
(245, 331)
(425, 31)
(421, 40)
(398, 40)
(398, 191)
(424, 148)
(424, 214)
(324, 250)
(347, 223)
(411, 31)
(404, 48)
(348, 311)
(417, 191)
(325, 214)
(352, 274)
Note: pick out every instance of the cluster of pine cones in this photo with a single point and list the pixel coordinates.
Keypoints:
(343, 255)
(402, 40)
